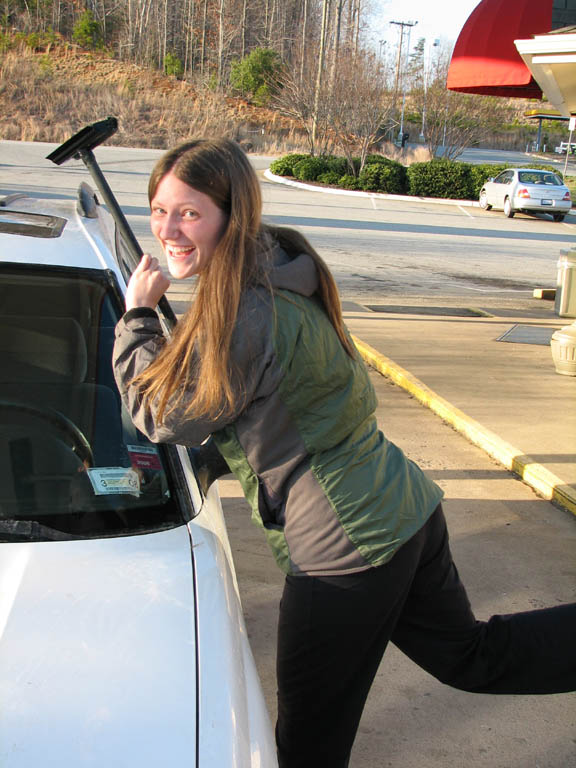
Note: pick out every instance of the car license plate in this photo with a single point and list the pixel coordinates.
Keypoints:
(546, 202)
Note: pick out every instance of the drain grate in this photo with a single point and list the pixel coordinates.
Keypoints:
(528, 334)
(438, 311)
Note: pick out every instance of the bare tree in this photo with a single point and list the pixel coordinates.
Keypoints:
(300, 98)
(455, 120)
(361, 105)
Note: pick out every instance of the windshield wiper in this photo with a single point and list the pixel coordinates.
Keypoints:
(30, 530)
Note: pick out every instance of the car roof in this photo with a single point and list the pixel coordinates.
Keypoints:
(533, 170)
(67, 232)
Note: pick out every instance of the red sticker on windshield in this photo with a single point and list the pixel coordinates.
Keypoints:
(144, 456)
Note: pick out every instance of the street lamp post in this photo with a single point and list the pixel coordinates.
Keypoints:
(435, 44)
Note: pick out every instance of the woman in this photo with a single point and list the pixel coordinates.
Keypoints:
(262, 362)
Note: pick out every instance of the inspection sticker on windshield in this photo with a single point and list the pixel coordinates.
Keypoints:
(144, 456)
(107, 480)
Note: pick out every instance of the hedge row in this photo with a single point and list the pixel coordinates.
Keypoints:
(436, 178)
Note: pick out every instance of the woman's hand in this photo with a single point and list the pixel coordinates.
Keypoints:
(147, 285)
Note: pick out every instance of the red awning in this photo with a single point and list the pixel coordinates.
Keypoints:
(485, 59)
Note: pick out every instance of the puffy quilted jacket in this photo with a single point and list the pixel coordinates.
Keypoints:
(332, 494)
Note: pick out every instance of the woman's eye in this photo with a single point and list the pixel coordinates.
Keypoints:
(190, 214)
(157, 210)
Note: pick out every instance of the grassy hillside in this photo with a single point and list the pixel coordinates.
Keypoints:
(47, 96)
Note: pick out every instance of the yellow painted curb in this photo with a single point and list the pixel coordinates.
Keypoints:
(544, 482)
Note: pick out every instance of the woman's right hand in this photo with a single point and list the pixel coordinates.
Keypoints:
(147, 285)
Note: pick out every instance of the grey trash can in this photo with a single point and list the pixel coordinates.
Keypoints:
(563, 348)
(565, 304)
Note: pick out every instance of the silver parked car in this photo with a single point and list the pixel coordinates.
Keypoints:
(527, 190)
(122, 641)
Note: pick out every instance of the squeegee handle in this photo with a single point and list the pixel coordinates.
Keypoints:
(134, 249)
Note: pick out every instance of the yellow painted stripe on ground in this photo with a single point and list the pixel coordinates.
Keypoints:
(544, 482)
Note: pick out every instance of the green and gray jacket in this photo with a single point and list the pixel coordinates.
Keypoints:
(331, 492)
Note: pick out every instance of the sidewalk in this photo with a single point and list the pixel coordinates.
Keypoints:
(504, 396)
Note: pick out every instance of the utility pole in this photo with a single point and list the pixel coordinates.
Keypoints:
(399, 68)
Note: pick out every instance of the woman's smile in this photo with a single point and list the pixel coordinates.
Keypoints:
(178, 252)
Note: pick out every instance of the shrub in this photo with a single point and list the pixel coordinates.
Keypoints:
(262, 95)
(284, 166)
(309, 168)
(257, 74)
(355, 166)
(6, 42)
(33, 41)
(371, 159)
(337, 165)
(173, 65)
(46, 66)
(388, 176)
(88, 32)
(348, 182)
(440, 178)
(330, 177)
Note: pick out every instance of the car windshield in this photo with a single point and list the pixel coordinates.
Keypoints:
(539, 177)
(72, 465)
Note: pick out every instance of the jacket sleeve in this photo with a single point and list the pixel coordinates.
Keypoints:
(139, 339)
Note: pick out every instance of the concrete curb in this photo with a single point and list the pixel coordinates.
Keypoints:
(544, 482)
(355, 193)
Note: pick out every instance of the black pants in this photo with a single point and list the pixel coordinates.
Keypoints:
(333, 632)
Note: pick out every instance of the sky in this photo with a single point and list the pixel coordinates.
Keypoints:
(437, 19)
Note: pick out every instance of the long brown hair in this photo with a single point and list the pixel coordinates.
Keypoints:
(220, 169)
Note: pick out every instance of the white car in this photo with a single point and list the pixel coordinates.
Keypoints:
(122, 641)
(527, 190)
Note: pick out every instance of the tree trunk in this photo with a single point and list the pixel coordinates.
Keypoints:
(220, 41)
(304, 40)
(336, 45)
(243, 27)
(356, 27)
(314, 137)
(203, 43)
(189, 39)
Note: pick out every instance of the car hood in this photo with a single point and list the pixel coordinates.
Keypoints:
(98, 653)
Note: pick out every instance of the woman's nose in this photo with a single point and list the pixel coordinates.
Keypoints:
(169, 227)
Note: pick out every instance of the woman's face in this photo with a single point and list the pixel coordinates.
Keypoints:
(188, 225)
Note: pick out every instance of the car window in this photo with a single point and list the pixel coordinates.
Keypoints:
(72, 463)
(500, 179)
(539, 177)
